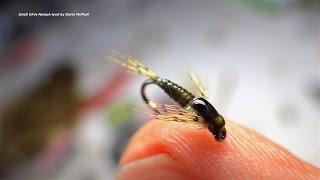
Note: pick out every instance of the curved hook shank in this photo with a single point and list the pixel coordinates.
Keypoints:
(151, 104)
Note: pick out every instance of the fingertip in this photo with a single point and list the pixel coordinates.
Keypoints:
(243, 154)
(166, 137)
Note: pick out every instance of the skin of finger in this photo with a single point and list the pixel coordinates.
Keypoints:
(155, 167)
(244, 154)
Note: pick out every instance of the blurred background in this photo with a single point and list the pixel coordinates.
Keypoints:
(67, 113)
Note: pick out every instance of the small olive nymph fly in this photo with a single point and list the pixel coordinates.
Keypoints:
(191, 109)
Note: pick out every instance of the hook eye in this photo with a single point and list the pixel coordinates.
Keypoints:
(151, 104)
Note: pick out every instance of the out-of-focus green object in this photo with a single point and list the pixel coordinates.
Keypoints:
(287, 113)
(121, 112)
(264, 5)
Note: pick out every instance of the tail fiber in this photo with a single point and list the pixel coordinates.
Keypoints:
(132, 65)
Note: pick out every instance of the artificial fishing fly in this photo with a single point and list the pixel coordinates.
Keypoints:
(190, 109)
